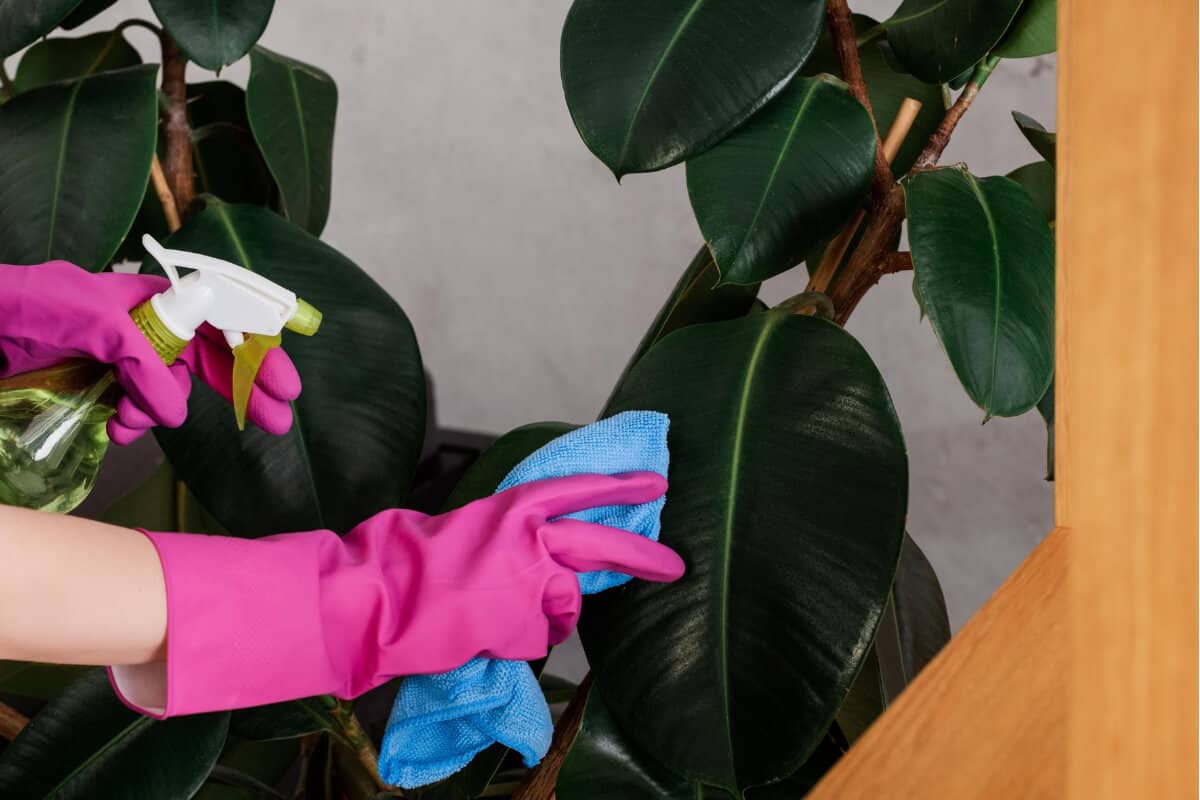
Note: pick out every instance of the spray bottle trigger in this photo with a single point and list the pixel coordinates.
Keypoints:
(247, 360)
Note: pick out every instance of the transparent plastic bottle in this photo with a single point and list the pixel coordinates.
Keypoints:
(52, 433)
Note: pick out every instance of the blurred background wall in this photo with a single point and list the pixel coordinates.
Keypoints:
(461, 185)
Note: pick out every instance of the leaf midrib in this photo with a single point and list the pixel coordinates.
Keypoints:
(991, 225)
(769, 324)
(662, 59)
(58, 171)
(305, 459)
(816, 83)
(121, 736)
(918, 15)
(291, 73)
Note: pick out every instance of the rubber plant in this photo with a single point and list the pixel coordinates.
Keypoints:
(808, 135)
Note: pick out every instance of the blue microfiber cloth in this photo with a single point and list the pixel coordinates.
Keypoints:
(440, 722)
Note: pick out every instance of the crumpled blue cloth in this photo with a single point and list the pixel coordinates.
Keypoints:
(440, 722)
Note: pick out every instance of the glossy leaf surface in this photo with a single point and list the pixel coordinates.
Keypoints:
(62, 58)
(26, 21)
(85, 11)
(360, 419)
(696, 298)
(291, 107)
(42, 681)
(939, 39)
(887, 88)
(214, 33)
(63, 141)
(787, 503)
(159, 505)
(1033, 33)
(1037, 179)
(288, 720)
(984, 261)
(651, 84)
(921, 622)
(1042, 140)
(785, 181)
(86, 744)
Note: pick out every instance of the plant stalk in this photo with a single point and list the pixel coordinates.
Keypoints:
(177, 166)
(165, 198)
(540, 782)
(352, 732)
(845, 43)
(12, 722)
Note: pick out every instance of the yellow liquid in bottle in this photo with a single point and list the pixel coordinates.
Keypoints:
(52, 434)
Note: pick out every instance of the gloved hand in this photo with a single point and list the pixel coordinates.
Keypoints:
(255, 621)
(55, 311)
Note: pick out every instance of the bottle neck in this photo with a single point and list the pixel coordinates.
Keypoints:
(165, 343)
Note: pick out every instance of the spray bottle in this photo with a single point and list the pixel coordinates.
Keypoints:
(52, 420)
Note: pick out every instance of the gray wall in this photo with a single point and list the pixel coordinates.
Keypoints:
(530, 274)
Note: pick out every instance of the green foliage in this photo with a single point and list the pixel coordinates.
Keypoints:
(984, 260)
(939, 39)
(26, 21)
(646, 86)
(788, 478)
(214, 33)
(756, 511)
(86, 744)
(291, 108)
(1033, 33)
(76, 162)
(1042, 140)
(784, 182)
(359, 422)
(61, 59)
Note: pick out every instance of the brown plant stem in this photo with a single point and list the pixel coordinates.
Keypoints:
(845, 43)
(540, 781)
(12, 722)
(163, 190)
(177, 165)
(836, 249)
(865, 266)
(356, 738)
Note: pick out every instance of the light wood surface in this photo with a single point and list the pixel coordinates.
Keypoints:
(1078, 679)
(985, 718)
(1126, 466)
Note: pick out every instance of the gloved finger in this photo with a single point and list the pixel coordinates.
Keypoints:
(278, 377)
(130, 415)
(586, 547)
(269, 413)
(154, 388)
(554, 497)
(121, 434)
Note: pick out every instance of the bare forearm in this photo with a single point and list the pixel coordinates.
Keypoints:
(74, 591)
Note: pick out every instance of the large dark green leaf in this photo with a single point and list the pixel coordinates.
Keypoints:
(214, 33)
(650, 84)
(605, 764)
(360, 420)
(26, 21)
(787, 502)
(1037, 179)
(85, 11)
(42, 681)
(250, 770)
(785, 181)
(865, 701)
(696, 298)
(938, 39)
(984, 260)
(226, 157)
(62, 58)
(494, 464)
(292, 106)
(1033, 33)
(887, 89)
(162, 503)
(75, 166)
(86, 744)
(1042, 140)
(921, 625)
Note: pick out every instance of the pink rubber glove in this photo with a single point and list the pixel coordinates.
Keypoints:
(255, 621)
(55, 311)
